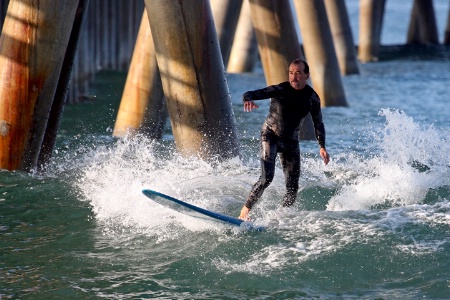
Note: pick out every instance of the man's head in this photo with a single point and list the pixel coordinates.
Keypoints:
(298, 74)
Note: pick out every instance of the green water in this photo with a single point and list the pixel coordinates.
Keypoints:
(53, 247)
(373, 224)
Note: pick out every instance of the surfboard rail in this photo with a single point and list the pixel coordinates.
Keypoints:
(187, 208)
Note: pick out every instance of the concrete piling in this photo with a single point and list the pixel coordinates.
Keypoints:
(278, 44)
(193, 78)
(244, 51)
(277, 38)
(447, 30)
(422, 25)
(59, 101)
(319, 51)
(370, 25)
(226, 16)
(142, 104)
(342, 36)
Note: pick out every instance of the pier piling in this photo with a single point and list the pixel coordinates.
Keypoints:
(370, 24)
(33, 43)
(142, 107)
(244, 51)
(319, 51)
(342, 36)
(193, 78)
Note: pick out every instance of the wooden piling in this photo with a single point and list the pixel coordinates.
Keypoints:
(370, 25)
(244, 50)
(319, 51)
(143, 98)
(342, 36)
(32, 47)
(193, 78)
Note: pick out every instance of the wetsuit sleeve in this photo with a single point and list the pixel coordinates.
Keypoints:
(265, 93)
(316, 114)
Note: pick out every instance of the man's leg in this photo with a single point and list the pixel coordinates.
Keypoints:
(290, 161)
(268, 155)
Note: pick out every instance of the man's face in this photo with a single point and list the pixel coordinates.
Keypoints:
(297, 77)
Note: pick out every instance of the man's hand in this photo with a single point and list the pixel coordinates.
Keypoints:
(249, 106)
(325, 156)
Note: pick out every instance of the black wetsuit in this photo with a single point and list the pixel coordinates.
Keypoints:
(280, 134)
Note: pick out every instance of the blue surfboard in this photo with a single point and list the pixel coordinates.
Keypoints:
(195, 211)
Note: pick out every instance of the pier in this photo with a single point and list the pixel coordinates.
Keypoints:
(177, 56)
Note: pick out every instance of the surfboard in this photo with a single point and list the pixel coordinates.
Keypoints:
(195, 211)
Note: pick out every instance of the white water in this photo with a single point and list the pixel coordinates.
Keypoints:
(410, 161)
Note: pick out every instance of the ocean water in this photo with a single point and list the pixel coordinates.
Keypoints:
(373, 224)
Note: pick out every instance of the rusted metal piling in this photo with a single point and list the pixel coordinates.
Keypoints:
(32, 47)
(3, 9)
(193, 78)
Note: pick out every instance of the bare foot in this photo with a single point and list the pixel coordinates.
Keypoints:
(244, 213)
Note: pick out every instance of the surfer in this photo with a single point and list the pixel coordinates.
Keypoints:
(290, 103)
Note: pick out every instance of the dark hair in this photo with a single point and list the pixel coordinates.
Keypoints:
(305, 64)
